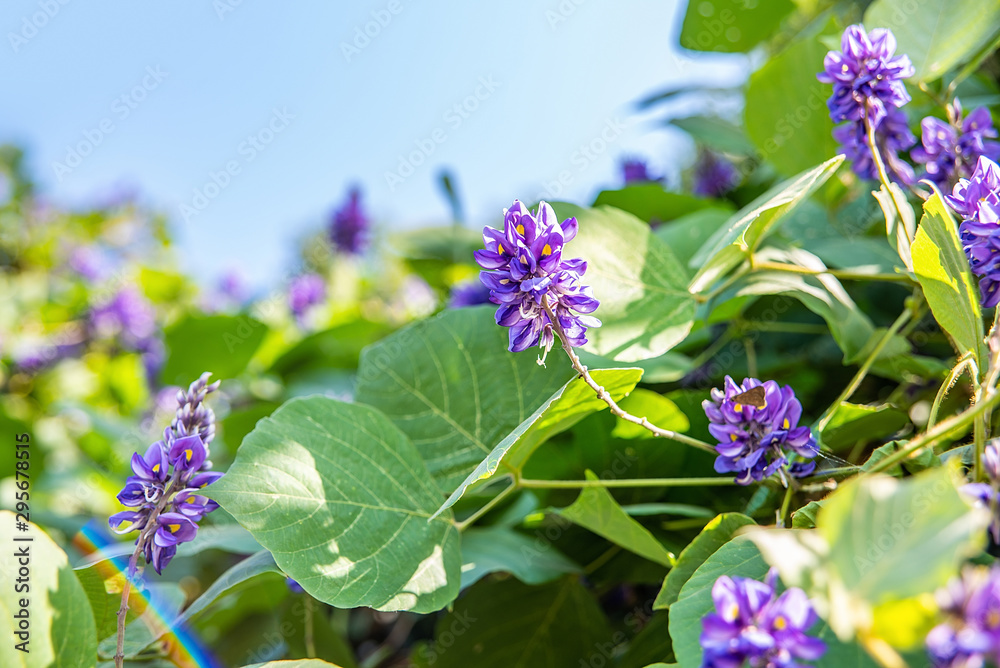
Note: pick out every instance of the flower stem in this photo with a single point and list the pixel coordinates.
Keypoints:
(883, 175)
(630, 482)
(310, 639)
(843, 274)
(487, 507)
(863, 371)
(606, 397)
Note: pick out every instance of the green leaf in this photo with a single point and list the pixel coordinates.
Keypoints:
(715, 133)
(500, 625)
(568, 405)
(852, 423)
(227, 537)
(499, 549)
(597, 511)
(686, 235)
(877, 540)
(731, 27)
(649, 202)
(716, 533)
(740, 558)
(650, 644)
(785, 110)
(294, 663)
(251, 567)
(652, 405)
(221, 344)
(645, 306)
(732, 243)
(342, 500)
(937, 35)
(449, 383)
(943, 272)
(923, 461)
(60, 630)
(338, 347)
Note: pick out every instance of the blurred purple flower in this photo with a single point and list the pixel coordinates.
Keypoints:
(305, 292)
(987, 494)
(892, 136)
(88, 262)
(469, 294)
(635, 170)
(977, 200)
(350, 226)
(751, 624)
(971, 635)
(950, 149)
(526, 273)
(755, 442)
(867, 77)
(127, 318)
(714, 175)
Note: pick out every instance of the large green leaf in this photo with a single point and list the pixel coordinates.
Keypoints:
(512, 625)
(732, 243)
(568, 405)
(221, 344)
(785, 110)
(943, 272)
(716, 133)
(851, 423)
(645, 306)
(338, 347)
(251, 567)
(451, 385)
(877, 540)
(731, 27)
(342, 500)
(59, 626)
(649, 202)
(687, 234)
(937, 35)
(500, 549)
(596, 510)
(294, 663)
(716, 533)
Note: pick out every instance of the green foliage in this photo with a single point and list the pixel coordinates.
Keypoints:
(342, 500)
(502, 550)
(731, 27)
(220, 344)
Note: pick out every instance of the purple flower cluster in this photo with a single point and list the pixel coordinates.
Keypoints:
(305, 292)
(130, 320)
(988, 493)
(469, 294)
(950, 149)
(349, 228)
(527, 274)
(970, 636)
(867, 80)
(163, 490)
(977, 200)
(637, 171)
(755, 442)
(750, 624)
(714, 176)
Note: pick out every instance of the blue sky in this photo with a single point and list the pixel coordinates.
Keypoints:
(246, 121)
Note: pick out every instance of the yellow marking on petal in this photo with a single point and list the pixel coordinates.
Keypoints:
(500, 248)
(156, 468)
(733, 612)
(780, 623)
(173, 527)
(732, 437)
(738, 408)
(547, 250)
(188, 454)
(785, 424)
(520, 229)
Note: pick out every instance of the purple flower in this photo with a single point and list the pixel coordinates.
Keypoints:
(127, 318)
(750, 624)
(349, 229)
(469, 294)
(527, 274)
(88, 262)
(977, 200)
(294, 586)
(714, 176)
(757, 442)
(166, 479)
(987, 494)
(950, 149)
(867, 78)
(970, 636)
(891, 136)
(305, 292)
(637, 171)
